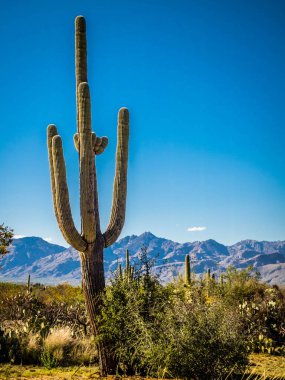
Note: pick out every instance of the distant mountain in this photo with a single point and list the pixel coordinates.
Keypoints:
(50, 263)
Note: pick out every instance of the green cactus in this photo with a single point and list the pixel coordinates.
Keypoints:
(91, 242)
(132, 272)
(29, 289)
(119, 272)
(208, 276)
(127, 266)
(187, 270)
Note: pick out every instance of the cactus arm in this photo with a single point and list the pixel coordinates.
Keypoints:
(99, 144)
(80, 57)
(81, 50)
(76, 141)
(61, 197)
(117, 218)
(51, 132)
(88, 198)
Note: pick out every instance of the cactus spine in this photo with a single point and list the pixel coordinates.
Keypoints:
(90, 242)
(187, 274)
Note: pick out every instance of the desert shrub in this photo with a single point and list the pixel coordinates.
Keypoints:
(201, 341)
(27, 318)
(238, 285)
(22, 310)
(129, 306)
(62, 293)
(10, 347)
(264, 321)
(31, 312)
(159, 331)
(19, 346)
(84, 351)
(9, 290)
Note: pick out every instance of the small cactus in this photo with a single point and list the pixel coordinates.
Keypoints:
(127, 270)
(208, 276)
(119, 272)
(132, 272)
(187, 270)
(29, 289)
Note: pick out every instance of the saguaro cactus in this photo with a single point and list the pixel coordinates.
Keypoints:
(127, 266)
(29, 284)
(187, 270)
(91, 242)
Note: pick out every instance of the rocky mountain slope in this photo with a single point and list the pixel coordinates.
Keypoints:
(50, 263)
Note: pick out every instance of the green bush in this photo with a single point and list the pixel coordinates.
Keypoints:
(201, 341)
(159, 331)
(264, 321)
(10, 347)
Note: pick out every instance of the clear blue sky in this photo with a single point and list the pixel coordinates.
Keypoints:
(205, 85)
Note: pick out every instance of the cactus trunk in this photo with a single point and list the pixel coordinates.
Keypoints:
(90, 242)
(93, 283)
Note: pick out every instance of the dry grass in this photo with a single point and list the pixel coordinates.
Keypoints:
(85, 351)
(59, 342)
(58, 337)
(266, 367)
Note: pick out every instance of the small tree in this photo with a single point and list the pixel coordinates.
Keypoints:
(6, 237)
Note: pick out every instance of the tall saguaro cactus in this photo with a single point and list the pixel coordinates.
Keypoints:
(90, 242)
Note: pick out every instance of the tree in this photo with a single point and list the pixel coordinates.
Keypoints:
(6, 237)
(90, 242)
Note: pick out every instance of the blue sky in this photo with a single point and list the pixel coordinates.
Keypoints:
(205, 85)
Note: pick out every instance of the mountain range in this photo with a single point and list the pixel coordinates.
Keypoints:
(52, 264)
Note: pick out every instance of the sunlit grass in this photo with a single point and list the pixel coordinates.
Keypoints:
(262, 367)
(266, 367)
(39, 373)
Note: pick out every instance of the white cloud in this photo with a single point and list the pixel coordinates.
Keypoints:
(48, 239)
(196, 229)
(19, 236)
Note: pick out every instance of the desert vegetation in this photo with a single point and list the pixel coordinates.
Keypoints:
(6, 237)
(198, 328)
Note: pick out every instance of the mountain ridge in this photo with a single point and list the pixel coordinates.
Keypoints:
(52, 263)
